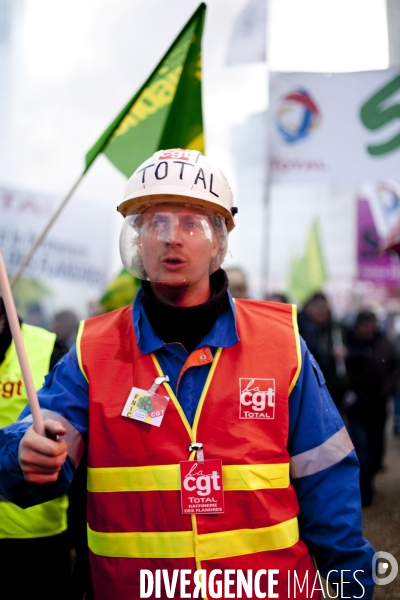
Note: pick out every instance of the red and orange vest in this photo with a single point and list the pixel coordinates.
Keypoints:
(134, 513)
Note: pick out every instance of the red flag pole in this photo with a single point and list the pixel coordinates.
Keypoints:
(5, 290)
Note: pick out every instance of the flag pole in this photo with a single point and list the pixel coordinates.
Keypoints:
(266, 239)
(266, 216)
(45, 231)
(13, 321)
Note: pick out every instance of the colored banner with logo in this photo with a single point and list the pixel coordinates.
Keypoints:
(341, 127)
(377, 214)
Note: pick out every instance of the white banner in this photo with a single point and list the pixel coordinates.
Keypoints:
(343, 127)
(72, 263)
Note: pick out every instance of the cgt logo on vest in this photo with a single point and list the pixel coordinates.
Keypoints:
(257, 398)
(201, 487)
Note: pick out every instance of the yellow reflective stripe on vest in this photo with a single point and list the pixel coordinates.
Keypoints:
(182, 544)
(176, 544)
(255, 477)
(298, 349)
(166, 478)
(247, 541)
(79, 349)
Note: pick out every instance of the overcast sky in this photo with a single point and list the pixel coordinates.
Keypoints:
(78, 62)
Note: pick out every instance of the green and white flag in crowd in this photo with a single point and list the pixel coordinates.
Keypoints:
(308, 273)
(166, 112)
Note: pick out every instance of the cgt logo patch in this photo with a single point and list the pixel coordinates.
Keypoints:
(257, 398)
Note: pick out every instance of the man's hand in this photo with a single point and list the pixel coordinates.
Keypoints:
(40, 457)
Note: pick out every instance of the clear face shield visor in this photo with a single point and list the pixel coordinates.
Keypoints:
(173, 244)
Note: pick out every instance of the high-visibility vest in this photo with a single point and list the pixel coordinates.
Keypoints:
(134, 512)
(49, 518)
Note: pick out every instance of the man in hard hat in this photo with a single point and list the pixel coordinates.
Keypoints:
(193, 408)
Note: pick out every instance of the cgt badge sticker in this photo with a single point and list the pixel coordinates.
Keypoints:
(257, 398)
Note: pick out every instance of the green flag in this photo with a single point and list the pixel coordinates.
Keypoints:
(121, 291)
(166, 111)
(308, 274)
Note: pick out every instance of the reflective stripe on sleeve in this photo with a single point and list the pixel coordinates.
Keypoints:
(185, 544)
(326, 455)
(166, 477)
(73, 438)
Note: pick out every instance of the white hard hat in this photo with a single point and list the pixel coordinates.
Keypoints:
(180, 173)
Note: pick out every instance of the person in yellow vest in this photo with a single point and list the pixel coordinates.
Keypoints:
(29, 538)
(214, 449)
